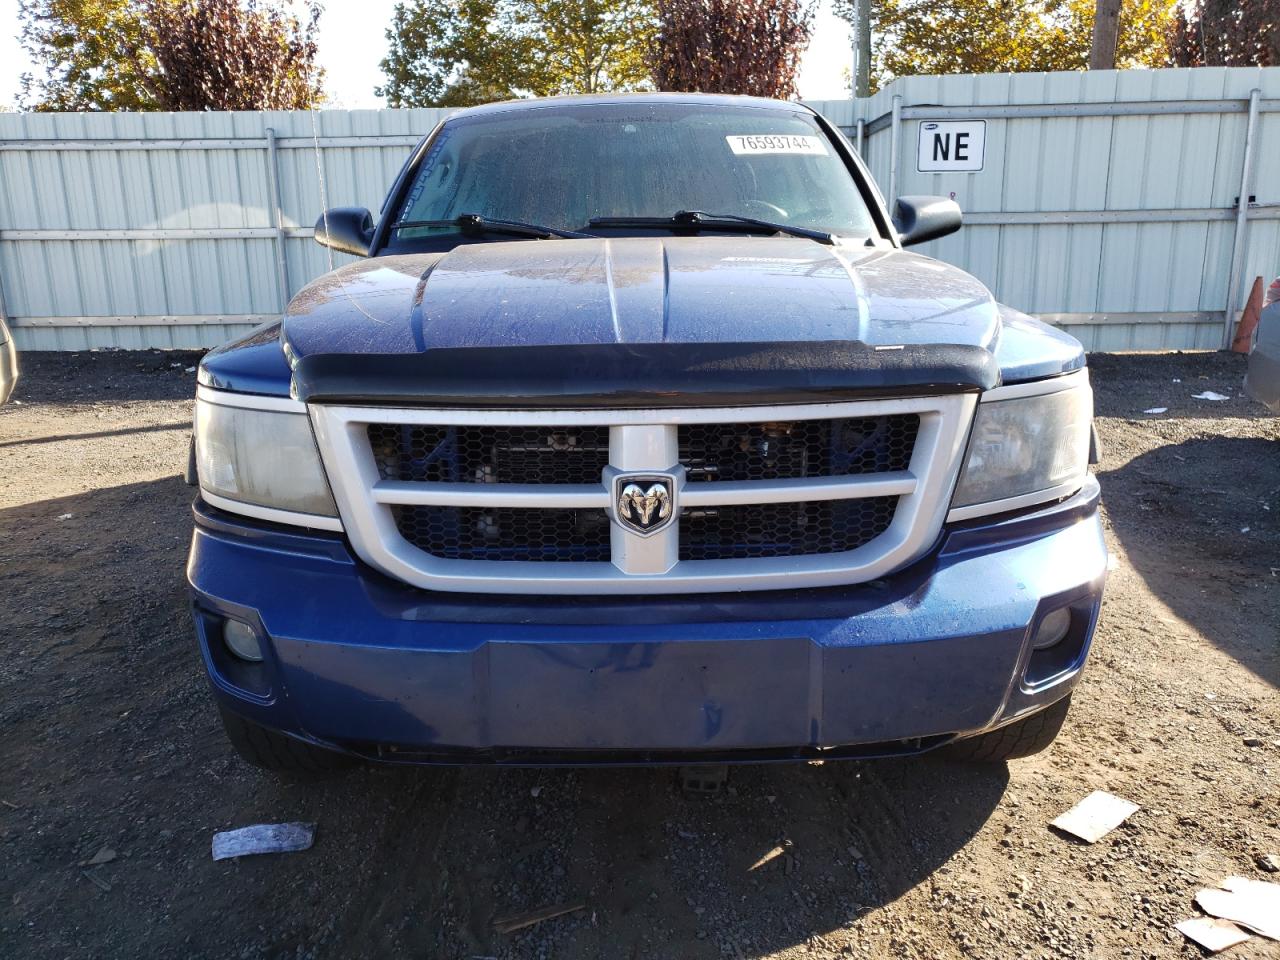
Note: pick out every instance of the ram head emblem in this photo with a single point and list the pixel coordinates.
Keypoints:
(644, 503)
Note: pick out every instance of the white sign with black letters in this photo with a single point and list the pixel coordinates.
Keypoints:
(951, 145)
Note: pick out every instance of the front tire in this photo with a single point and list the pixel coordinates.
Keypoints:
(1021, 739)
(273, 751)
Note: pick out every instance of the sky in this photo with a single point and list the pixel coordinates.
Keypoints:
(353, 41)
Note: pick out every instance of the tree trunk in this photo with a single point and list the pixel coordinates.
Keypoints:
(1106, 33)
(862, 48)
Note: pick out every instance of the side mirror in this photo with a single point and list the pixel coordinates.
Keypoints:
(348, 229)
(918, 219)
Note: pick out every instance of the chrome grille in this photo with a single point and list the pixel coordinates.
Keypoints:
(521, 501)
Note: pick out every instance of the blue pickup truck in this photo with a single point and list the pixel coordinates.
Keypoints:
(636, 436)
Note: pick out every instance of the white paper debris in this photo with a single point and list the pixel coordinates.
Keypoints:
(1157, 410)
(263, 838)
(1214, 935)
(66, 516)
(1209, 395)
(1251, 903)
(1095, 816)
(105, 855)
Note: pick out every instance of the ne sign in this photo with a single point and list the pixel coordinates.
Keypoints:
(952, 145)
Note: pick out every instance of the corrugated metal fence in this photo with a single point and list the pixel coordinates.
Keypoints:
(177, 229)
(1106, 202)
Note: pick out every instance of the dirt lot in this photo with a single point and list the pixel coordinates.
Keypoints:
(110, 740)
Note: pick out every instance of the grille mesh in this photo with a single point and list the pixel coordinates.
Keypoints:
(783, 529)
(484, 533)
(466, 454)
(758, 451)
(798, 448)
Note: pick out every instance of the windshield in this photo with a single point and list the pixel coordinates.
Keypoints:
(566, 165)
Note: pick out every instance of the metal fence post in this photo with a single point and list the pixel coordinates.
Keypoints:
(860, 140)
(1239, 243)
(273, 191)
(895, 149)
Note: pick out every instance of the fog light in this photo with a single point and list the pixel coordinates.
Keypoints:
(242, 641)
(1053, 628)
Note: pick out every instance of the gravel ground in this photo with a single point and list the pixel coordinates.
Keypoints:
(111, 741)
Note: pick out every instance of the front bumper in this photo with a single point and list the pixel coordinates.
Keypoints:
(362, 663)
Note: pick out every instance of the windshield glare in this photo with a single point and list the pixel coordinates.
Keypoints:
(563, 166)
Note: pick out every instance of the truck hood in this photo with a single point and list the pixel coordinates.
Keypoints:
(640, 316)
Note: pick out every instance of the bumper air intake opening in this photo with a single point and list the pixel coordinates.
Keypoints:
(1059, 638)
(251, 679)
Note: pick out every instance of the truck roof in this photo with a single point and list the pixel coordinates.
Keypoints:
(535, 103)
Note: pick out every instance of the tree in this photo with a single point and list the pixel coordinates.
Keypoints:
(222, 55)
(442, 55)
(1142, 32)
(447, 53)
(1227, 33)
(169, 55)
(915, 37)
(1106, 35)
(91, 55)
(730, 46)
(861, 47)
(593, 45)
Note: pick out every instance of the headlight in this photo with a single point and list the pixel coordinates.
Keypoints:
(261, 461)
(1030, 448)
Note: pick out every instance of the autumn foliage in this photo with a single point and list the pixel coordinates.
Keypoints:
(170, 54)
(1228, 33)
(730, 46)
(915, 37)
(225, 55)
(455, 53)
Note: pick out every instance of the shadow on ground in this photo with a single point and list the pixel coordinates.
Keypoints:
(1194, 522)
(790, 853)
(1193, 495)
(103, 376)
(112, 741)
(1127, 385)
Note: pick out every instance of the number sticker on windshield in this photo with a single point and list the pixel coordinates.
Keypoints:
(777, 143)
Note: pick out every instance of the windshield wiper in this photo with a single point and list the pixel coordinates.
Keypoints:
(475, 223)
(686, 219)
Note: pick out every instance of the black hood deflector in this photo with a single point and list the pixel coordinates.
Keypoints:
(642, 375)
